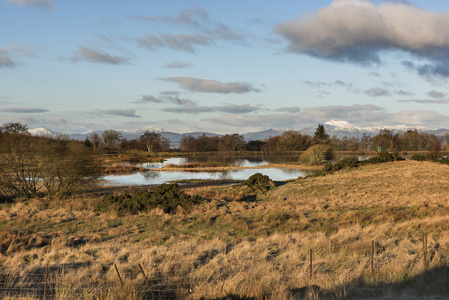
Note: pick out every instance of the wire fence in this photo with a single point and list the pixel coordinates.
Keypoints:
(160, 279)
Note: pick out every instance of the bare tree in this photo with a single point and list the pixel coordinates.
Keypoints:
(111, 137)
(28, 164)
(13, 128)
(154, 141)
(95, 140)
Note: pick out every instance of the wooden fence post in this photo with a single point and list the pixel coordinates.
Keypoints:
(118, 274)
(311, 264)
(146, 280)
(45, 284)
(425, 251)
(372, 257)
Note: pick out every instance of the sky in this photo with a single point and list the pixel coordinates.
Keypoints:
(223, 66)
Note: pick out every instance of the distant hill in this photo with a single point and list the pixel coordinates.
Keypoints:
(333, 128)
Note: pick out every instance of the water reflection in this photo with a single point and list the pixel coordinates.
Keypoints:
(159, 177)
(153, 177)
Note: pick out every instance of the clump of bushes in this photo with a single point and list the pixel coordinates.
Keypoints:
(168, 197)
(435, 157)
(317, 155)
(352, 162)
(346, 163)
(418, 157)
(259, 182)
(381, 158)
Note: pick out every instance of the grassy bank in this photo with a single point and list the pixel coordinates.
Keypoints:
(239, 243)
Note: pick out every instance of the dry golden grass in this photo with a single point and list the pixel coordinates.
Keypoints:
(244, 244)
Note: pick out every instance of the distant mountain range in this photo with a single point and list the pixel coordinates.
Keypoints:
(333, 128)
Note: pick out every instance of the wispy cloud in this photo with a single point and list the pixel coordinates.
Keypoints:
(14, 50)
(404, 93)
(128, 113)
(94, 56)
(5, 61)
(377, 92)
(321, 84)
(180, 42)
(177, 65)
(205, 31)
(190, 108)
(211, 86)
(436, 94)
(193, 16)
(55, 120)
(47, 4)
(291, 109)
(149, 99)
(374, 74)
(238, 109)
(359, 31)
(426, 101)
(29, 110)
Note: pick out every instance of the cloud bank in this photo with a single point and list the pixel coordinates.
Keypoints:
(358, 31)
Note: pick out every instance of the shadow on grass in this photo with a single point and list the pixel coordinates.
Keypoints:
(232, 297)
(433, 284)
(425, 285)
(6, 199)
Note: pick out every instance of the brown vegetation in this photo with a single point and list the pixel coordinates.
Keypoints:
(241, 243)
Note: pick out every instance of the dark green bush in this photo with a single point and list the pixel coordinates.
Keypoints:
(445, 160)
(418, 157)
(166, 196)
(381, 158)
(346, 163)
(350, 162)
(432, 157)
(259, 182)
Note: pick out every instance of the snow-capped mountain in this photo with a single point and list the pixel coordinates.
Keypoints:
(41, 131)
(343, 128)
(333, 128)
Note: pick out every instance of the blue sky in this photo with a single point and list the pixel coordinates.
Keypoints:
(223, 66)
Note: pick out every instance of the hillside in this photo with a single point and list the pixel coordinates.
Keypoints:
(241, 243)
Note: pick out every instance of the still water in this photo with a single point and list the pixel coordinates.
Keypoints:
(159, 177)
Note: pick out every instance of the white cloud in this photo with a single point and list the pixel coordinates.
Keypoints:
(359, 31)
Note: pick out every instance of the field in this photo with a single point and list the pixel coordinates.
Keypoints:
(309, 238)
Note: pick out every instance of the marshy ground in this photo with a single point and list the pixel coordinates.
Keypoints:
(240, 243)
